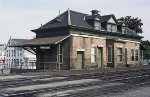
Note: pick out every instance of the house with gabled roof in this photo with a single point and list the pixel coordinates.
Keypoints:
(19, 57)
(75, 40)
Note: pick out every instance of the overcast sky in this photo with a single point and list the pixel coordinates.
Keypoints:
(18, 17)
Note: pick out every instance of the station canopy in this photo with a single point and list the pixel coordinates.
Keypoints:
(41, 41)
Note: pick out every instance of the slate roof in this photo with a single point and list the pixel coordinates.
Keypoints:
(41, 41)
(130, 32)
(76, 19)
(106, 18)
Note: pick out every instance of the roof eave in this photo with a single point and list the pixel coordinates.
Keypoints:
(46, 29)
(104, 32)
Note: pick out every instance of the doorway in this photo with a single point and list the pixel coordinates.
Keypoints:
(80, 60)
(100, 57)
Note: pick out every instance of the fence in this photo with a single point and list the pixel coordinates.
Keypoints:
(36, 65)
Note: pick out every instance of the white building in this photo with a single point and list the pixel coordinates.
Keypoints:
(17, 57)
(2, 56)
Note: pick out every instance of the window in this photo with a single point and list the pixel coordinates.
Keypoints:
(111, 28)
(123, 30)
(93, 54)
(12, 53)
(136, 54)
(97, 25)
(109, 54)
(60, 53)
(20, 54)
(114, 28)
(119, 55)
(132, 54)
(17, 49)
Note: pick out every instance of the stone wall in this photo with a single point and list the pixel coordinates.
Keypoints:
(83, 43)
(126, 45)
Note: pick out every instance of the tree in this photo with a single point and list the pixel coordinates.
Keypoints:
(134, 24)
(146, 45)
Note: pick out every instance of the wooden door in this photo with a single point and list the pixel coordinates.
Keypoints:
(100, 57)
(80, 60)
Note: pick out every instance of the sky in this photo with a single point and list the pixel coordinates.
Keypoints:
(19, 17)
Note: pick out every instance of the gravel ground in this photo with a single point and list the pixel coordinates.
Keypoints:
(137, 92)
(14, 77)
(49, 85)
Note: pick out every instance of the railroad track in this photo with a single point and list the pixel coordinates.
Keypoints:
(33, 81)
(124, 84)
(129, 78)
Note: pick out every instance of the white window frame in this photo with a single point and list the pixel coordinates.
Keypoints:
(97, 25)
(114, 28)
(132, 55)
(110, 46)
(111, 28)
(119, 55)
(93, 54)
(136, 55)
(123, 30)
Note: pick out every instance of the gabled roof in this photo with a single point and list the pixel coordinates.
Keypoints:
(105, 18)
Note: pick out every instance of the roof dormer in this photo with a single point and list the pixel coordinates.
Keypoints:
(94, 19)
(122, 27)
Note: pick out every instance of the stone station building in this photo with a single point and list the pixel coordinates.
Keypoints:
(75, 40)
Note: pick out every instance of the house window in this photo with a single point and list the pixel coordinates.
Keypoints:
(123, 30)
(114, 28)
(12, 53)
(93, 54)
(119, 55)
(109, 54)
(20, 54)
(60, 53)
(132, 54)
(136, 54)
(111, 28)
(97, 25)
